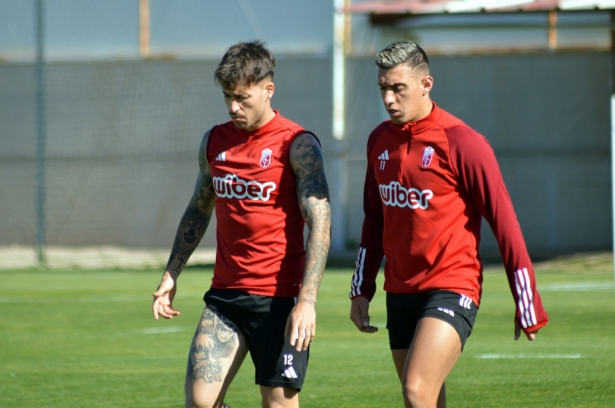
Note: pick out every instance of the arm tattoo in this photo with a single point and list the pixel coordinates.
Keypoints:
(309, 170)
(313, 196)
(189, 233)
(215, 338)
(196, 218)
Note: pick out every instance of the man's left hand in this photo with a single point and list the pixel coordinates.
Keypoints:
(301, 325)
(531, 336)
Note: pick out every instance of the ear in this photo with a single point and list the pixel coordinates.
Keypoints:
(426, 84)
(269, 90)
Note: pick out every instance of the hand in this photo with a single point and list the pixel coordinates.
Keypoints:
(359, 315)
(531, 336)
(301, 325)
(163, 298)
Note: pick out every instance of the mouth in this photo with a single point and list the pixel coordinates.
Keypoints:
(239, 122)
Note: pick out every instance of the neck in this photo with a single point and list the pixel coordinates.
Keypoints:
(425, 110)
(266, 118)
(268, 115)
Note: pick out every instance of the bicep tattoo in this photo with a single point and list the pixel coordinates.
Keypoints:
(307, 162)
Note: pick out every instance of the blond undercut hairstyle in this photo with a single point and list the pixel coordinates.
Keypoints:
(245, 64)
(403, 52)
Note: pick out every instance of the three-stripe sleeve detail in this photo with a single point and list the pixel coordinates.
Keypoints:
(525, 303)
(357, 278)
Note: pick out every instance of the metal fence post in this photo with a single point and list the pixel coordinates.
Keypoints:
(40, 134)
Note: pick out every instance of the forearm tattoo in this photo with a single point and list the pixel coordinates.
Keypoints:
(193, 224)
(215, 338)
(316, 251)
(189, 233)
(313, 196)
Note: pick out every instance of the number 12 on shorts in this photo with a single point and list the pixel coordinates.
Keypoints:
(288, 359)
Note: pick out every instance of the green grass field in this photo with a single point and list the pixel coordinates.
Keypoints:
(87, 339)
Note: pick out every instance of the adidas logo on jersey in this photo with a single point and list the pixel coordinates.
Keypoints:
(289, 373)
(221, 157)
(383, 159)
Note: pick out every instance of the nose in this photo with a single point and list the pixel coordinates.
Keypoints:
(233, 106)
(388, 97)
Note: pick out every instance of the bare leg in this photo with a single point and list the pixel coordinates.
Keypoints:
(217, 351)
(279, 397)
(399, 359)
(423, 368)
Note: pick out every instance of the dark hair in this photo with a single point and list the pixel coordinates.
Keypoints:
(400, 52)
(245, 64)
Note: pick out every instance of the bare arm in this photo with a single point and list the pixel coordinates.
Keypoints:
(191, 230)
(313, 196)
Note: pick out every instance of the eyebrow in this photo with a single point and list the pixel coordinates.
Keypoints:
(230, 93)
(392, 85)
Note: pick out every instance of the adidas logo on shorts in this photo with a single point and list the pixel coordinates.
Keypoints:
(465, 301)
(447, 311)
(289, 373)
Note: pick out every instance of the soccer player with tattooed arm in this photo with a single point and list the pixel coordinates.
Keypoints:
(264, 177)
(430, 180)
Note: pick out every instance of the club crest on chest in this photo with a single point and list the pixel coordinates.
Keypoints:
(266, 158)
(427, 156)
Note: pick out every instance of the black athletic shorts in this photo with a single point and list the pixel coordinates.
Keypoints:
(262, 321)
(405, 310)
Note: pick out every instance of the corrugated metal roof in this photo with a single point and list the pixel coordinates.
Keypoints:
(409, 7)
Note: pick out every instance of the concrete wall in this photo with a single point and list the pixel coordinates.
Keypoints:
(122, 138)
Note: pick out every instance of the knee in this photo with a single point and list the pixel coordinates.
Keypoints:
(279, 397)
(417, 395)
(192, 402)
(203, 400)
(203, 403)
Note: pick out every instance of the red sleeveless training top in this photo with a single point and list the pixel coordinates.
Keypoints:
(260, 246)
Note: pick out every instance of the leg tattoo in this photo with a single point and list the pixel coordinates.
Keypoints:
(215, 338)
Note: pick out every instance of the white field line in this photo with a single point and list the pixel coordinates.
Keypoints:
(17, 300)
(91, 299)
(528, 356)
(159, 330)
(576, 287)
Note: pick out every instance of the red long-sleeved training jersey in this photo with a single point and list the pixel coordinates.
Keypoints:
(427, 187)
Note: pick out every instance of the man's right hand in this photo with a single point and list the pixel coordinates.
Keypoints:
(163, 298)
(359, 314)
